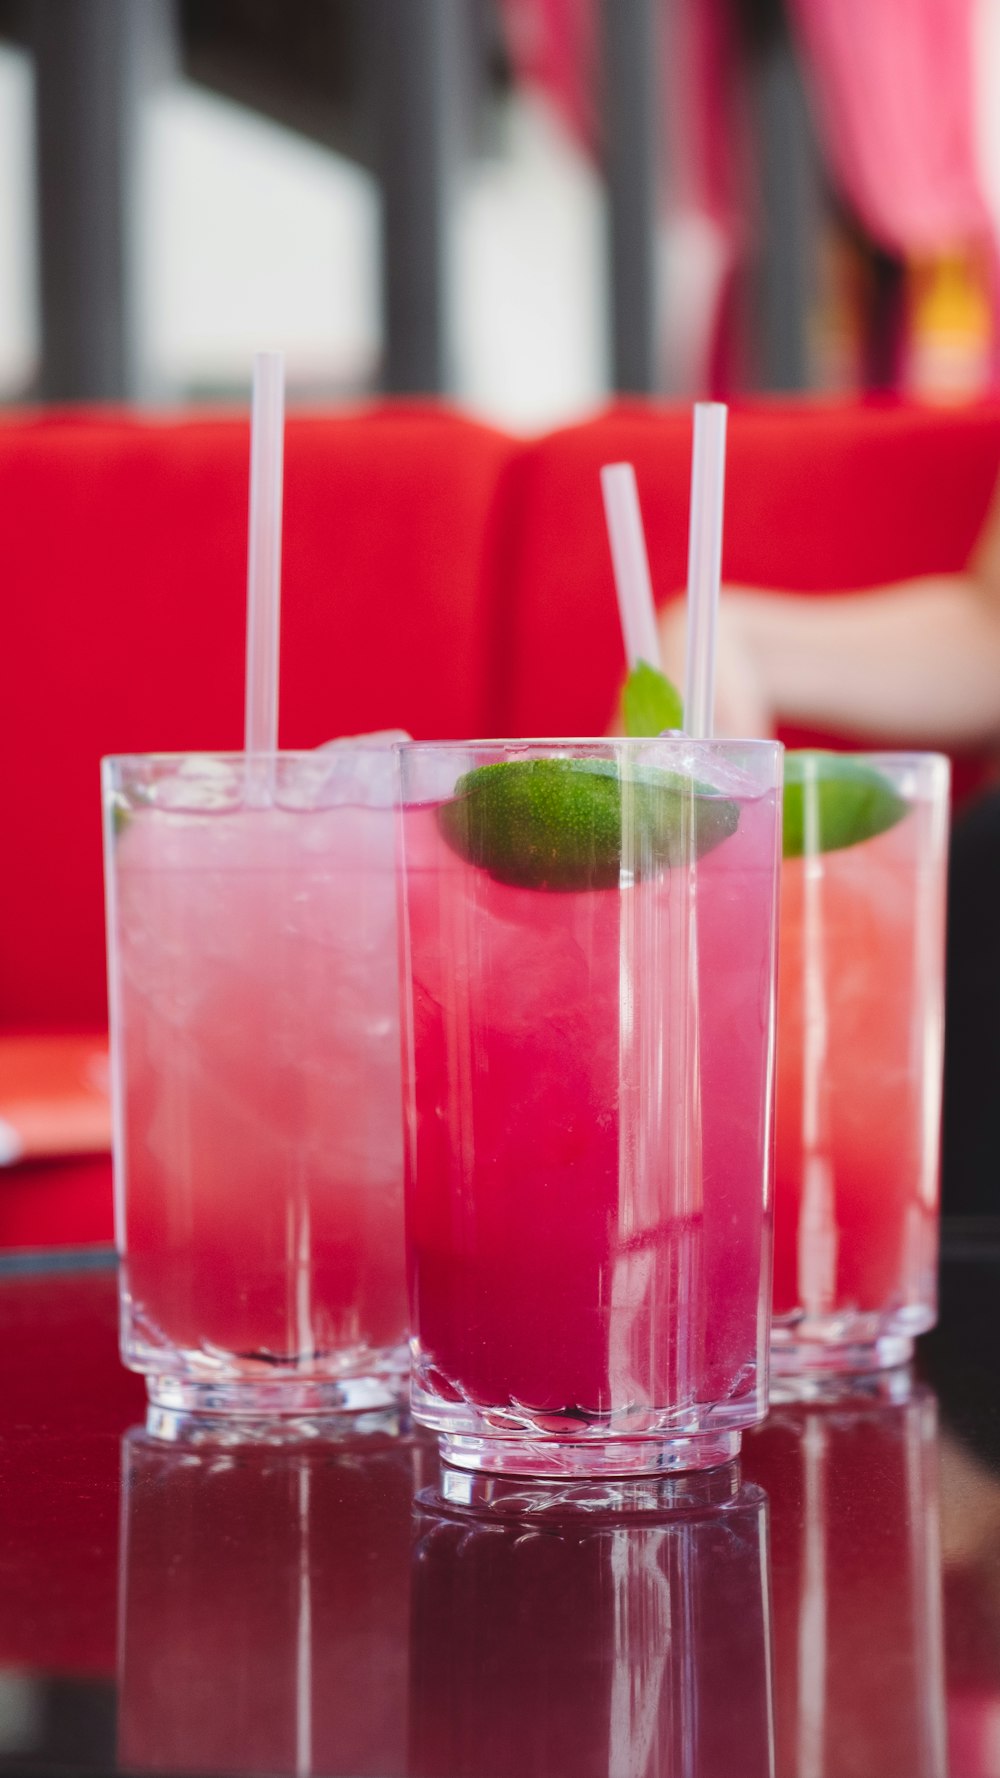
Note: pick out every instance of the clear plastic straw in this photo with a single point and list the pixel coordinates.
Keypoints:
(267, 451)
(631, 564)
(708, 474)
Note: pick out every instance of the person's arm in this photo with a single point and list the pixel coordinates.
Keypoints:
(919, 661)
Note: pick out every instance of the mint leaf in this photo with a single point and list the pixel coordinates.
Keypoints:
(649, 703)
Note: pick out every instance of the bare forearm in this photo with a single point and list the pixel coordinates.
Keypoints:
(920, 661)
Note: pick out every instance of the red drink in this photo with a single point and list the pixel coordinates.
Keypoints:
(588, 1145)
(860, 984)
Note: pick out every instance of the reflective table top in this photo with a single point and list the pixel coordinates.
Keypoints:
(828, 1609)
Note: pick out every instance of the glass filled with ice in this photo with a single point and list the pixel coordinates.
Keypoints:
(588, 990)
(860, 1041)
(256, 1070)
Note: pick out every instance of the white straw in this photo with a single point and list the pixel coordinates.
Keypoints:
(708, 474)
(267, 448)
(630, 564)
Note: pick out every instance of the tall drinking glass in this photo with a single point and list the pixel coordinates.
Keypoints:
(588, 990)
(860, 1020)
(256, 1072)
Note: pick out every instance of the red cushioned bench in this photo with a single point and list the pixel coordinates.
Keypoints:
(438, 576)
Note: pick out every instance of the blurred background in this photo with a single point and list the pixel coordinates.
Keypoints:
(522, 204)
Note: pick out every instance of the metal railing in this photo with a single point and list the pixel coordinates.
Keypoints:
(94, 59)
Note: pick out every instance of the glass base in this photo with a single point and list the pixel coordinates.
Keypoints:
(588, 1457)
(852, 1391)
(504, 1498)
(800, 1368)
(369, 1430)
(289, 1398)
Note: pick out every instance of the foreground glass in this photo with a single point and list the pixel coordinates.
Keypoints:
(588, 999)
(255, 1049)
(860, 1021)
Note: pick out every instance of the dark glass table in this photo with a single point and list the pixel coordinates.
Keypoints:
(831, 1609)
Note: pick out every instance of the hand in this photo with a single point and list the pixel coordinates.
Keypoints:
(742, 709)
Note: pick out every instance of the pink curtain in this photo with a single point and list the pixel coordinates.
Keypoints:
(892, 82)
(895, 104)
(556, 45)
(707, 128)
(553, 45)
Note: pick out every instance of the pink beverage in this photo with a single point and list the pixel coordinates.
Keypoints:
(569, 1646)
(255, 1031)
(588, 1111)
(860, 1010)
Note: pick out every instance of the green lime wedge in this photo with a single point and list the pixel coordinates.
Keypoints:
(832, 801)
(557, 823)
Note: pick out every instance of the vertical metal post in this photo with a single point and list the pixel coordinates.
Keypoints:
(884, 322)
(91, 60)
(417, 49)
(790, 203)
(631, 82)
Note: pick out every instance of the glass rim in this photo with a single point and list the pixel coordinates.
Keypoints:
(916, 774)
(676, 738)
(236, 755)
(900, 756)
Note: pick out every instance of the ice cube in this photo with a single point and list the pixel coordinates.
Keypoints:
(196, 784)
(380, 737)
(360, 769)
(714, 768)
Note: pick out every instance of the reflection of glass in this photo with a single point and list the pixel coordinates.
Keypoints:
(582, 1647)
(265, 1604)
(588, 1098)
(256, 1067)
(856, 1579)
(970, 1552)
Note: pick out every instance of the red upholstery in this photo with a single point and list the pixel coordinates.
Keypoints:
(817, 499)
(123, 568)
(57, 1203)
(437, 576)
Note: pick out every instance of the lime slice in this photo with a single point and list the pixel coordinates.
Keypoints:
(557, 823)
(851, 802)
